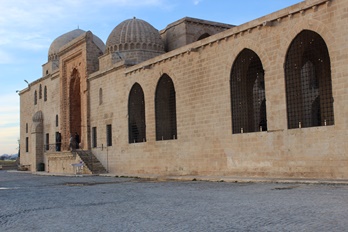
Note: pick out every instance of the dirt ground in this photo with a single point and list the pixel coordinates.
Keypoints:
(8, 164)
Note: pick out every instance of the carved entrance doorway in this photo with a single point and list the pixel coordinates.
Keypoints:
(75, 103)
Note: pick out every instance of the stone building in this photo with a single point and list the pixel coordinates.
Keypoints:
(264, 99)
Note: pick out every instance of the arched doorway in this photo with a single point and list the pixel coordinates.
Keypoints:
(75, 103)
(165, 109)
(136, 113)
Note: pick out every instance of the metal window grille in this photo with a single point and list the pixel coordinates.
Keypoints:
(165, 109)
(136, 115)
(108, 135)
(94, 136)
(308, 82)
(248, 98)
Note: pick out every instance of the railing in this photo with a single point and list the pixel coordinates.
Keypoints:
(87, 156)
(102, 148)
(52, 147)
(56, 147)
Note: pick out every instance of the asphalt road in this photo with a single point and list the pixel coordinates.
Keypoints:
(94, 203)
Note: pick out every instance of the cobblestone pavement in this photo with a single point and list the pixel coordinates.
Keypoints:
(94, 203)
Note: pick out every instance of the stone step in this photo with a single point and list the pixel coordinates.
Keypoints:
(91, 161)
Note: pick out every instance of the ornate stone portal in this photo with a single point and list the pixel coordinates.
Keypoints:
(74, 92)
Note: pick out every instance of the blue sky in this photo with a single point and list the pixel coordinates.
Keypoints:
(28, 27)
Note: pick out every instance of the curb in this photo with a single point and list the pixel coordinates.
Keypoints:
(227, 179)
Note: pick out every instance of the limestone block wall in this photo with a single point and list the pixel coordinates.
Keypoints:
(93, 52)
(49, 106)
(106, 61)
(50, 67)
(61, 163)
(205, 144)
(107, 109)
(188, 30)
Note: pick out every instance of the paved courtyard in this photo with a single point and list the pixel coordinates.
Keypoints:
(94, 203)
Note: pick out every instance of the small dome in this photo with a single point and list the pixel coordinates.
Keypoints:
(134, 34)
(64, 39)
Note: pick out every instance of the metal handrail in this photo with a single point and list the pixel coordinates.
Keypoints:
(51, 147)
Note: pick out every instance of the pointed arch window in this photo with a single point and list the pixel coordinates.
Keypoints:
(307, 70)
(35, 97)
(100, 96)
(136, 115)
(26, 128)
(56, 120)
(165, 109)
(40, 92)
(45, 93)
(248, 97)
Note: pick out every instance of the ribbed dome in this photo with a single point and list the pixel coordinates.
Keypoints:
(66, 38)
(134, 34)
(38, 117)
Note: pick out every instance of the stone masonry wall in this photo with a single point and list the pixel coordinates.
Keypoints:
(205, 144)
(49, 108)
(188, 30)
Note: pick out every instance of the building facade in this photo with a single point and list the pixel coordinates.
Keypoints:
(264, 99)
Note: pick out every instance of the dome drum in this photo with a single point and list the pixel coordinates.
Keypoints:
(138, 46)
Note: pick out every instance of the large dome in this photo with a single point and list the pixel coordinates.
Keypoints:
(134, 34)
(66, 38)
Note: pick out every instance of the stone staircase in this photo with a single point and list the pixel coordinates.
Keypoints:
(92, 163)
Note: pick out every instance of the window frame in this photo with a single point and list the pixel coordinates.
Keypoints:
(94, 137)
(109, 135)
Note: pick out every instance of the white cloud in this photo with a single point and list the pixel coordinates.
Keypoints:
(8, 120)
(7, 134)
(27, 15)
(9, 123)
(8, 140)
(9, 110)
(27, 24)
(196, 2)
